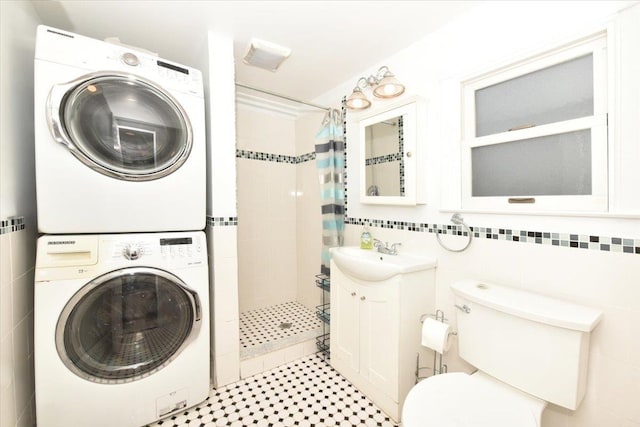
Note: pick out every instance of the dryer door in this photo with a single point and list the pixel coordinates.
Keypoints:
(127, 324)
(120, 125)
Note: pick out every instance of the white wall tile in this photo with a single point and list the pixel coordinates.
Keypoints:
(294, 352)
(23, 252)
(309, 347)
(7, 407)
(225, 242)
(227, 337)
(273, 359)
(23, 365)
(251, 367)
(6, 363)
(5, 259)
(265, 132)
(6, 309)
(227, 369)
(266, 212)
(22, 295)
(225, 301)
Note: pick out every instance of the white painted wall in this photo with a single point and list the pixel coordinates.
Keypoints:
(221, 203)
(17, 199)
(489, 36)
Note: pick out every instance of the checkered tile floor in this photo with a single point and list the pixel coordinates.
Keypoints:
(306, 392)
(261, 329)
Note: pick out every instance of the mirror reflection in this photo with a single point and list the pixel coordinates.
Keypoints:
(384, 159)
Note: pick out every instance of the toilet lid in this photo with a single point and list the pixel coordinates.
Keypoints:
(462, 400)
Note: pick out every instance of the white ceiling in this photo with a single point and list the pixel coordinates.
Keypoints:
(331, 41)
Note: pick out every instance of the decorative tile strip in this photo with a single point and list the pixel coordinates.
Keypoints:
(11, 225)
(395, 157)
(306, 157)
(255, 155)
(218, 221)
(278, 158)
(580, 241)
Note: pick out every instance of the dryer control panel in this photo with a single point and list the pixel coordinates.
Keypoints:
(63, 47)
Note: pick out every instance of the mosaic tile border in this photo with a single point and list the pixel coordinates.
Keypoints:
(218, 221)
(11, 225)
(277, 158)
(395, 157)
(579, 241)
(306, 157)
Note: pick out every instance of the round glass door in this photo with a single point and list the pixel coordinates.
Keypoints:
(126, 325)
(123, 126)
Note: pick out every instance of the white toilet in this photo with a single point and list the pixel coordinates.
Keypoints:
(529, 350)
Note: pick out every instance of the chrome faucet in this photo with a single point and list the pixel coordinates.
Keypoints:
(384, 248)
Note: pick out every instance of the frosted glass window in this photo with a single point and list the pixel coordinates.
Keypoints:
(549, 165)
(554, 94)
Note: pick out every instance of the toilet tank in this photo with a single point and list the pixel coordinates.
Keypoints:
(535, 343)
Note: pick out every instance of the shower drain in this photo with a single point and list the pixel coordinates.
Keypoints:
(285, 325)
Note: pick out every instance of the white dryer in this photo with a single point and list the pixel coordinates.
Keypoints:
(120, 138)
(121, 328)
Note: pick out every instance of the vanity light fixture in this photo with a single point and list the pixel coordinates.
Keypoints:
(384, 85)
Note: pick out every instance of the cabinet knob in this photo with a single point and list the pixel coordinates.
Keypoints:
(362, 298)
(353, 294)
(409, 154)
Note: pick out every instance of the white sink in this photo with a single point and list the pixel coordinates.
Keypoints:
(371, 265)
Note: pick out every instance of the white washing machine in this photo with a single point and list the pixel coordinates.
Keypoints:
(120, 138)
(121, 328)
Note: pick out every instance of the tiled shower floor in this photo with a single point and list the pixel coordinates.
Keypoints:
(306, 392)
(261, 330)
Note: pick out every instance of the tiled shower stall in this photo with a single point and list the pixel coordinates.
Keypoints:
(279, 236)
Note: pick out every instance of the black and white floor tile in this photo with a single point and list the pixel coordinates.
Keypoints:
(288, 323)
(306, 392)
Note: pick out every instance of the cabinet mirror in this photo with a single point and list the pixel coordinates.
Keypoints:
(389, 155)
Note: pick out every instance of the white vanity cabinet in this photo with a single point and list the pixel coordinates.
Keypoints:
(375, 332)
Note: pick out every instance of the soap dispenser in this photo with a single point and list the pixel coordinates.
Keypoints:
(366, 240)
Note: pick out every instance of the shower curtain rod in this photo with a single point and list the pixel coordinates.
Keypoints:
(288, 98)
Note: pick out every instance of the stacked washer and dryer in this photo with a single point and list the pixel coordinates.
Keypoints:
(121, 287)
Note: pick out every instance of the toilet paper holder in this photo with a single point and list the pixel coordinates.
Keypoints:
(437, 358)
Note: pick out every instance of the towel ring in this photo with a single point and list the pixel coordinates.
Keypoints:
(456, 218)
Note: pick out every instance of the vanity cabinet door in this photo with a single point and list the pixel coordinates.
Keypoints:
(379, 329)
(364, 332)
(345, 324)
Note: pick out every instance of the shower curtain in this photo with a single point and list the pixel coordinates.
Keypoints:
(330, 163)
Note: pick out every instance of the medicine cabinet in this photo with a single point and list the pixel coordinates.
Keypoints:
(391, 153)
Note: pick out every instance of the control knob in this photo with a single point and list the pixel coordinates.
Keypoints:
(130, 59)
(132, 251)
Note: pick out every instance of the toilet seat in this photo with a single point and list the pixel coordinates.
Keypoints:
(462, 400)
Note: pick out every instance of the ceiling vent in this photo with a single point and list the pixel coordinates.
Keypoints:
(266, 55)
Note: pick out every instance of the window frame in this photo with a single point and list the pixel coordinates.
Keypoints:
(597, 45)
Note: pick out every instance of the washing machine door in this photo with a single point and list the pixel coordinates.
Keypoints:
(127, 325)
(120, 125)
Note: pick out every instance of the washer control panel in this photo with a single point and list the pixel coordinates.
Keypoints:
(176, 249)
(180, 247)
